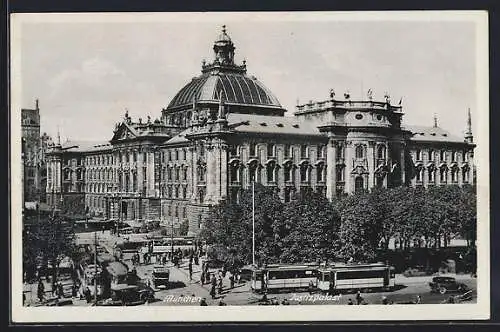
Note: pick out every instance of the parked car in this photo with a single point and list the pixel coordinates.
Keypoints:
(128, 295)
(443, 285)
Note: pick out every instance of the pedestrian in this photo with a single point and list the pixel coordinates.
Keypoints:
(219, 285)
(359, 298)
(311, 287)
(41, 290)
(350, 302)
(231, 281)
(417, 300)
(212, 291)
(87, 295)
(203, 302)
(74, 290)
(190, 267)
(60, 290)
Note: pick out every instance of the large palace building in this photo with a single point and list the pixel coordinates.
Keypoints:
(224, 130)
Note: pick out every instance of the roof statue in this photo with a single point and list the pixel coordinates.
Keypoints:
(435, 120)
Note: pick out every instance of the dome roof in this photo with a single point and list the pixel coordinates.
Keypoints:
(238, 88)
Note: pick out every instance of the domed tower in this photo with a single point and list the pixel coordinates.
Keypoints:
(242, 93)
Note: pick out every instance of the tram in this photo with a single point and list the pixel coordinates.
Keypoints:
(284, 277)
(343, 277)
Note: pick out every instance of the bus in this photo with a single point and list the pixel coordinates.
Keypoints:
(343, 277)
(284, 277)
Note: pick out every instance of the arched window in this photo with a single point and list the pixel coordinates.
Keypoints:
(253, 173)
(201, 196)
(431, 174)
(359, 152)
(270, 172)
(176, 154)
(465, 175)
(319, 173)
(454, 175)
(304, 173)
(442, 175)
(418, 155)
(381, 152)
(454, 156)
(184, 190)
(431, 154)
(358, 184)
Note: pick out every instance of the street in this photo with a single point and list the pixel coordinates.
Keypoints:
(183, 291)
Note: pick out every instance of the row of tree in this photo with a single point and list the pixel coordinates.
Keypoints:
(47, 239)
(356, 227)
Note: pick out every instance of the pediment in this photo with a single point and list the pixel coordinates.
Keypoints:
(123, 132)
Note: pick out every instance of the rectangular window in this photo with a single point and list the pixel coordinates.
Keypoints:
(320, 152)
(304, 152)
(339, 174)
(253, 150)
(288, 151)
(271, 151)
(418, 155)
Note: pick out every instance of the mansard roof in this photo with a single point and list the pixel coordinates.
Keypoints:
(278, 125)
(433, 134)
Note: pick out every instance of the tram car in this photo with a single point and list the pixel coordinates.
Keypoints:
(274, 278)
(346, 277)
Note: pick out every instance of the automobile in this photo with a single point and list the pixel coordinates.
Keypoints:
(128, 295)
(443, 285)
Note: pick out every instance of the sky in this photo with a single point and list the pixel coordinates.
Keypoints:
(86, 72)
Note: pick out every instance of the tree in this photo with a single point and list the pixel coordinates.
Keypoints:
(359, 236)
(309, 230)
(50, 240)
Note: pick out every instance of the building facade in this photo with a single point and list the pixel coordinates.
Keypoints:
(225, 130)
(34, 148)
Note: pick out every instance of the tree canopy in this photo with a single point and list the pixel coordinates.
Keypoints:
(310, 228)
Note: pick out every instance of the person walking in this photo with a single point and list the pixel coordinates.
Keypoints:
(231, 281)
(41, 290)
(359, 298)
(219, 284)
(213, 282)
(60, 290)
(190, 267)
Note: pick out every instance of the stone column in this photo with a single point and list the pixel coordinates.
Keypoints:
(151, 172)
(370, 157)
(402, 163)
(331, 164)
(223, 167)
(349, 154)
